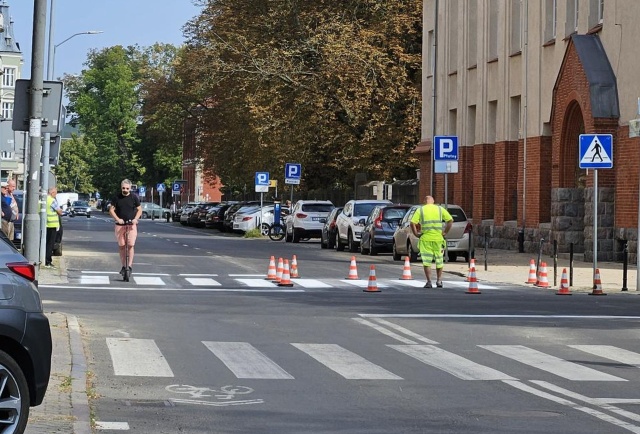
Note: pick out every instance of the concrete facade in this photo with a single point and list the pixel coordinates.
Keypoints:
(518, 81)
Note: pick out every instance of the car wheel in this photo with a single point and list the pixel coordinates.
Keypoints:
(14, 395)
(353, 247)
(295, 237)
(88, 216)
(453, 257)
(331, 241)
(363, 249)
(264, 229)
(413, 255)
(144, 215)
(323, 245)
(287, 238)
(339, 245)
(396, 255)
(373, 251)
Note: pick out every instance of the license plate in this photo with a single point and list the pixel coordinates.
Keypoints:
(236, 225)
(315, 219)
(451, 243)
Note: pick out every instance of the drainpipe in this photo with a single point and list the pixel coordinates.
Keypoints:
(524, 128)
(434, 92)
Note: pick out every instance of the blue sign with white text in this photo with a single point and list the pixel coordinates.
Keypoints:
(596, 151)
(262, 178)
(292, 173)
(445, 148)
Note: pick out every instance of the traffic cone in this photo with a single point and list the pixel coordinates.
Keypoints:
(564, 284)
(406, 270)
(597, 284)
(473, 282)
(353, 270)
(294, 268)
(286, 277)
(373, 284)
(279, 270)
(532, 273)
(472, 265)
(271, 272)
(543, 280)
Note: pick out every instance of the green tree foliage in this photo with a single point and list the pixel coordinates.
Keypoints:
(332, 85)
(73, 170)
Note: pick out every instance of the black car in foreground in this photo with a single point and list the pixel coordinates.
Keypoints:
(25, 340)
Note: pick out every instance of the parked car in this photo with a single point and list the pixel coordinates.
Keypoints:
(252, 216)
(152, 210)
(25, 340)
(406, 244)
(305, 220)
(215, 215)
(227, 225)
(185, 212)
(328, 233)
(379, 227)
(199, 214)
(349, 222)
(79, 207)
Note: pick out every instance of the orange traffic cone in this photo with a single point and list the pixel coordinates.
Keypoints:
(543, 280)
(532, 273)
(279, 270)
(271, 272)
(473, 282)
(353, 270)
(597, 284)
(472, 265)
(286, 278)
(564, 284)
(294, 268)
(406, 270)
(373, 284)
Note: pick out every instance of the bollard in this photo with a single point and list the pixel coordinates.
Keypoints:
(571, 264)
(168, 217)
(521, 240)
(555, 262)
(486, 246)
(625, 262)
(539, 253)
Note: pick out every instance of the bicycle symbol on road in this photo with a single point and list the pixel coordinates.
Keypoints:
(224, 396)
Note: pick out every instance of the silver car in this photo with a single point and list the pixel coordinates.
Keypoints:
(406, 244)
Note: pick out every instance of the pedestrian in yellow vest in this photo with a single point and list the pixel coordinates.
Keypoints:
(426, 224)
(53, 224)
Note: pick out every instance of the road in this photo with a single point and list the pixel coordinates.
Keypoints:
(200, 342)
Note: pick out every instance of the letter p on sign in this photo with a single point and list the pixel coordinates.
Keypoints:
(446, 147)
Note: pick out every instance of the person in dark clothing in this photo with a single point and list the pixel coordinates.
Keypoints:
(125, 207)
(6, 211)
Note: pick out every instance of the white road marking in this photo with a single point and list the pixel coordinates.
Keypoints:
(216, 404)
(257, 283)
(412, 283)
(452, 363)
(137, 358)
(363, 283)
(144, 280)
(112, 426)
(94, 280)
(247, 275)
(202, 281)
(385, 331)
(350, 365)
(404, 330)
(311, 283)
(164, 289)
(595, 413)
(612, 353)
(554, 365)
(246, 361)
(99, 272)
(197, 275)
(466, 285)
(505, 316)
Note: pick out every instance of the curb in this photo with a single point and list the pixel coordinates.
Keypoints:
(79, 398)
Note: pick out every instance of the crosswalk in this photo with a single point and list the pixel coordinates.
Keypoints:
(215, 282)
(143, 358)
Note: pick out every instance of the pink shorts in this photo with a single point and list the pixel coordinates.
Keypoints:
(133, 233)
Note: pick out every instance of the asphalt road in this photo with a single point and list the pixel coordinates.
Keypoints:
(199, 342)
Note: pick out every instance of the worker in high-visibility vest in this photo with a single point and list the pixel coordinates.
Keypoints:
(53, 225)
(426, 224)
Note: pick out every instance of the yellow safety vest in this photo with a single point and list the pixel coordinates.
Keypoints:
(52, 217)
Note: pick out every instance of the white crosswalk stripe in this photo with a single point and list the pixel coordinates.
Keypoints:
(554, 365)
(94, 280)
(202, 281)
(246, 361)
(137, 358)
(612, 353)
(148, 280)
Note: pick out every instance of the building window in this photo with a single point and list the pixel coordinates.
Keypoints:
(453, 122)
(452, 44)
(9, 77)
(431, 54)
(515, 119)
(472, 29)
(551, 19)
(492, 121)
(471, 125)
(516, 27)
(7, 110)
(596, 13)
(571, 25)
(494, 23)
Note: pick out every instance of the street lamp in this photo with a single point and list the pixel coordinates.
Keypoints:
(52, 56)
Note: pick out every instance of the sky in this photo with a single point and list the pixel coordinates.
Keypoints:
(123, 22)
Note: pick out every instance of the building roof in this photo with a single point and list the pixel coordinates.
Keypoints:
(8, 42)
(602, 80)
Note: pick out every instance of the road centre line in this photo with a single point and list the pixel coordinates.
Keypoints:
(598, 414)
(514, 316)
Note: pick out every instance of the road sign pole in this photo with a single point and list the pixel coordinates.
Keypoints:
(595, 225)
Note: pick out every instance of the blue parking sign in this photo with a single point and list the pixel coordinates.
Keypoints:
(292, 173)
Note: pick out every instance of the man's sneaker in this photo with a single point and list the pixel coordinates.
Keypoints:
(428, 285)
(122, 271)
(439, 284)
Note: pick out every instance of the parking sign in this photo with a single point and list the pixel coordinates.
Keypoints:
(445, 154)
(292, 173)
(262, 182)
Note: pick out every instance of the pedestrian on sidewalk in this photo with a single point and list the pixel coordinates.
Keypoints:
(5, 200)
(426, 224)
(54, 211)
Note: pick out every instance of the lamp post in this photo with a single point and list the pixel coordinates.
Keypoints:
(46, 143)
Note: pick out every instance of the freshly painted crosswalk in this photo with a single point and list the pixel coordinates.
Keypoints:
(143, 358)
(213, 282)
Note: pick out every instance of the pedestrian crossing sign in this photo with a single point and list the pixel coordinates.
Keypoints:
(596, 151)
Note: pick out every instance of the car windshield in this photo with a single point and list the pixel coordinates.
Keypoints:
(80, 203)
(393, 213)
(363, 209)
(457, 214)
(317, 207)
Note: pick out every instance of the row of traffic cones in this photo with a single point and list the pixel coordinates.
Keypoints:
(541, 279)
(353, 270)
(282, 274)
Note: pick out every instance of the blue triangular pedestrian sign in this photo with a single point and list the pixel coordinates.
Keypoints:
(596, 151)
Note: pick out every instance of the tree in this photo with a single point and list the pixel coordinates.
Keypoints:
(73, 169)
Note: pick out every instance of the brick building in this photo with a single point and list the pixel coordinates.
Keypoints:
(518, 81)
